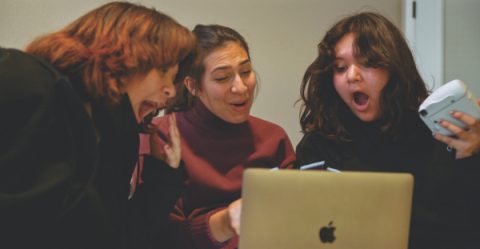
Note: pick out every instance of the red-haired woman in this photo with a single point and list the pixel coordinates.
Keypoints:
(75, 102)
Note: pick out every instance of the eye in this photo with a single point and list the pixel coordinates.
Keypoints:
(245, 73)
(340, 68)
(221, 78)
(372, 65)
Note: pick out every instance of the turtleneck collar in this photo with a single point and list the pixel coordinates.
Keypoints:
(373, 130)
(201, 116)
(357, 127)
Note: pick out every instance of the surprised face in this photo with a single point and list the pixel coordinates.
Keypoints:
(359, 86)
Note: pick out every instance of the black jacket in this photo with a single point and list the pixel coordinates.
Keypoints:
(59, 187)
(446, 201)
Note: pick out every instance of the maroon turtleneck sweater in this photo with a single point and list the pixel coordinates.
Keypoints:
(215, 154)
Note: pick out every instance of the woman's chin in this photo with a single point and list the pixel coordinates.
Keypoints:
(366, 116)
(238, 119)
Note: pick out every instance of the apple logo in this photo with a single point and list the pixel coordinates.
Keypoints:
(326, 233)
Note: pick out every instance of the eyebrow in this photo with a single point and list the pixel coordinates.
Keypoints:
(226, 67)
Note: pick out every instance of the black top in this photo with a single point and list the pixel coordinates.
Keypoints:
(59, 187)
(446, 205)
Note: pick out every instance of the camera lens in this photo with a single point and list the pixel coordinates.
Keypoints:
(423, 112)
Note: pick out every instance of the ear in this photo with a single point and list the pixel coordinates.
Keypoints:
(189, 83)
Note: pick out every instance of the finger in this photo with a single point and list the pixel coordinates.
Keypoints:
(168, 153)
(451, 142)
(167, 149)
(234, 211)
(174, 123)
(172, 119)
(171, 156)
(465, 118)
(458, 131)
(174, 133)
(171, 126)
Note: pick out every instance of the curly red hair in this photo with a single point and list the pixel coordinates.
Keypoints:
(115, 41)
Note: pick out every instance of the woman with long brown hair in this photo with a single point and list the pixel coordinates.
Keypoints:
(220, 139)
(75, 102)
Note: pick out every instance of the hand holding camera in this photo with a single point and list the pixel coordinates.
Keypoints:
(453, 115)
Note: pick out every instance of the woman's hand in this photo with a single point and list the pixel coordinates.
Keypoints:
(234, 212)
(466, 141)
(168, 151)
(225, 223)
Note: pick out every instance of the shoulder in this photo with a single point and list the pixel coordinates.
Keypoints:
(315, 147)
(23, 75)
(312, 140)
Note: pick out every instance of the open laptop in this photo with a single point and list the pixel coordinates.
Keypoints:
(292, 209)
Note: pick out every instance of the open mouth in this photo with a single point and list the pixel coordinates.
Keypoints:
(149, 107)
(360, 99)
(240, 104)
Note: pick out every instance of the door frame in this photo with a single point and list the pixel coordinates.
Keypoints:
(424, 24)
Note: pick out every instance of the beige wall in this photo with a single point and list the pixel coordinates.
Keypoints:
(282, 34)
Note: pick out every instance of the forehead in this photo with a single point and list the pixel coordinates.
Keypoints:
(345, 46)
(229, 55)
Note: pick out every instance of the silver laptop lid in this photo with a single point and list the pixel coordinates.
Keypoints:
(318, 209)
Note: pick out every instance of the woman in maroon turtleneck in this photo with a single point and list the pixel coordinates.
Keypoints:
(220, 139)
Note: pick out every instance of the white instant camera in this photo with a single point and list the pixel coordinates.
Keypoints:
(452, 96)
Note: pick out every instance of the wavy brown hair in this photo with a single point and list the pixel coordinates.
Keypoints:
(378, 43)
(115, 41)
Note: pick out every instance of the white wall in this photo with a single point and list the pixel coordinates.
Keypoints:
(462, 40)
(282, 34)
(425, 33)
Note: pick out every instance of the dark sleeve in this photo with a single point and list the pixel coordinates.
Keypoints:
(310, 150)
(45, 196)
(469, 168)
(470, 163)
(31, 171)
(35, 157)
(162, 186)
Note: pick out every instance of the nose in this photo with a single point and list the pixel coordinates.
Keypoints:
(354, 74)
(238, 85)
(169, 91)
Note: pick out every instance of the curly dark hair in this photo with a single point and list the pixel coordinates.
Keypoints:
(378, 43)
